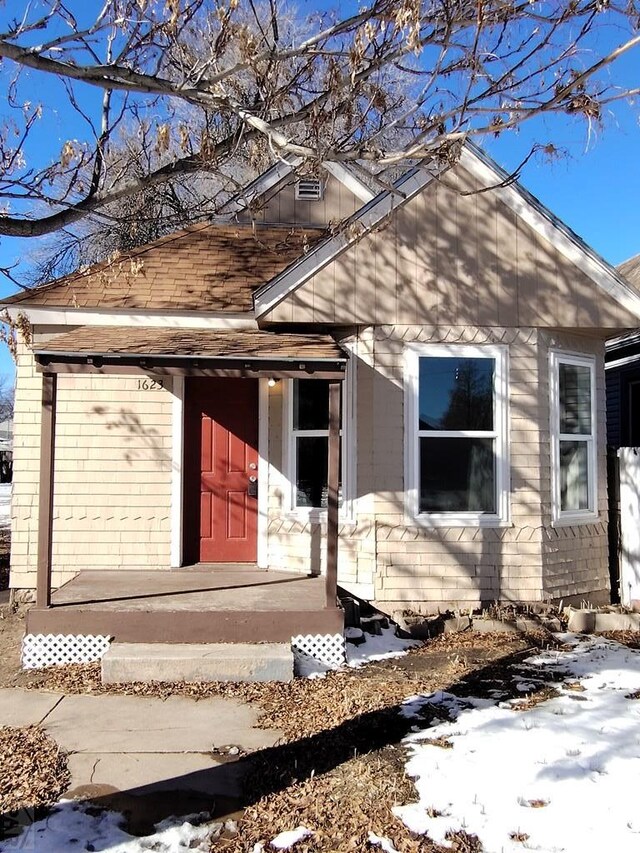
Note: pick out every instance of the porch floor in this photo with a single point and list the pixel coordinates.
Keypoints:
(231, 604)
(191, 589)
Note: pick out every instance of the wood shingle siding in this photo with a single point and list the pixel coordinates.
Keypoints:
(112, 474)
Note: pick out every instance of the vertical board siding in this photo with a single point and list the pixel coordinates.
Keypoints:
(453, 256)
(282, 207)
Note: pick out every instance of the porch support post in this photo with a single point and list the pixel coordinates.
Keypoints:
(333, 476)
(45, 505)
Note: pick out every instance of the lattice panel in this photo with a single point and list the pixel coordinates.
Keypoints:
(40, 650)
(327, 648)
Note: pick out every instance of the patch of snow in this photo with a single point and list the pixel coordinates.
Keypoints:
(379, 648)
(287, 839)
(5, 505)
(77, 826)
(381, 841)
(307, 667)
(526, 686)
(454, 705)
(561, 776)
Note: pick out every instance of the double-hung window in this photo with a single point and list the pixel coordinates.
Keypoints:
(456, 434)
(573, 434)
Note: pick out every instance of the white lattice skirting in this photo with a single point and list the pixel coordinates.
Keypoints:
(40, 650)
(328, 649)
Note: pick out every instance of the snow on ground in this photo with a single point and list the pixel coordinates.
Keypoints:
(287, 839)
(379, 648)
(375, 648)
(5, 504)
(561, 776)
(77, 826)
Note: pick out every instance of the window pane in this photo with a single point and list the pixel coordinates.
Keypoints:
(310, 404)
(311, 467)
(456, 393)
(457, 475)
(574, 475)
(575, 399)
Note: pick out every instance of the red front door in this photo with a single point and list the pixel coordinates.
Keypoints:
(221, 458)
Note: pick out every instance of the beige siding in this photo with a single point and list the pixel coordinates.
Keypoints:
(113, 479)
(435, 568)
(447, 258)
(112, 475)
(383, 555)
(576, 558)
(280, 206)
(297, 544)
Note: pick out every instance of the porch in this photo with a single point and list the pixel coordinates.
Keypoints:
(228, 604)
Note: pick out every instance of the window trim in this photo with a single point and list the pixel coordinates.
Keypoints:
(500, 353)
(560, 517)
(348, 451)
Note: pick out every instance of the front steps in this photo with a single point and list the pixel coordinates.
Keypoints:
(126, 662)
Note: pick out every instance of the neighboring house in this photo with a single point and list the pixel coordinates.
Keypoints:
(190, 386)
(6, 449)
(623, 376)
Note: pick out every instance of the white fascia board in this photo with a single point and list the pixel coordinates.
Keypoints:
(351, 182)
(267, 297)
(51, 316)
(558, 234)
(262, 184)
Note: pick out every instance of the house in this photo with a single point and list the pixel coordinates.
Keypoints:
(412, 405)
(622, 371)
(6, 449)
(623, 376)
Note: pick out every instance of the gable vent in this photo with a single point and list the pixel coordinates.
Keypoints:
(309, 189)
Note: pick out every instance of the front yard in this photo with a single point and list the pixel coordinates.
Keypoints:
(470, 742)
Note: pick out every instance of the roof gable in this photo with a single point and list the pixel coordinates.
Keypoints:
(572, 258)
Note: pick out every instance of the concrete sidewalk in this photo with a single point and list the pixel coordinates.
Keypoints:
(142, 745)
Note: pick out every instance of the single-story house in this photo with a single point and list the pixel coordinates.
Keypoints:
(412, 404)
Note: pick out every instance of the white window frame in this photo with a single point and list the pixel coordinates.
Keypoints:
(575, 516)
(348, 449)
(500, 434)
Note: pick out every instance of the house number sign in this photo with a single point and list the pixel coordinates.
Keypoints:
(150, 384)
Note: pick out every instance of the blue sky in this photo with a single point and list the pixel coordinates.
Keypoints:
(594, 186)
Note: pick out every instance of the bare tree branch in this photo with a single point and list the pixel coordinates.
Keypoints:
(190, 87)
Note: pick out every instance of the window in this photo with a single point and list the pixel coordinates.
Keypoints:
(573, 437)
(456, 434)
(308, 443)
(633, 414)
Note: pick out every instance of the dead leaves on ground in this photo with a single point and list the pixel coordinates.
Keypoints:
(34, 770)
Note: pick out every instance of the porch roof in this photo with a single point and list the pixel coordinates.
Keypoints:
(110, 348)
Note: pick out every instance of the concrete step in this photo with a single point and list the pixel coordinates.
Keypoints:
(125, 662)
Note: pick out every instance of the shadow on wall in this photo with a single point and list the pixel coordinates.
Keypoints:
(139, 442)
(451, 262)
